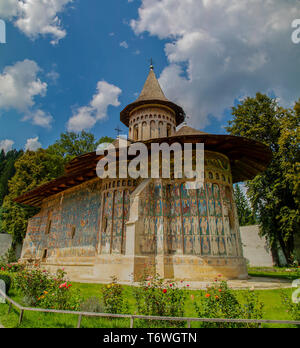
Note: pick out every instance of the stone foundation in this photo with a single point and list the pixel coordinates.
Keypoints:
(130, 269)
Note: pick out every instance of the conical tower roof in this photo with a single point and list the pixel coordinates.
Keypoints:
(152, 89)
(152, 94)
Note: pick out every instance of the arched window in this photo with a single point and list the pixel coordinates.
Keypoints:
(160, 129)
(136, 132)
(152, 129)
(169, 130)
(144, 130)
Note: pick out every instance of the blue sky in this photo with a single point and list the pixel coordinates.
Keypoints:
(206, 60)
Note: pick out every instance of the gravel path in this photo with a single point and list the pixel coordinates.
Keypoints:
(257, 283)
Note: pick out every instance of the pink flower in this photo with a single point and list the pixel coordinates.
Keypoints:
(188, 285)
(64, 285)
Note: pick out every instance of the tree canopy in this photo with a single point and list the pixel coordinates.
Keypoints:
(7, 170)
(71, 145)
(274, 194)
(35, 168)
(245, 213)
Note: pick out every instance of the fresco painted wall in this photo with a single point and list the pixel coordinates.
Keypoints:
(91, 218)
(199, 222)
(67, 224)
(116, 205)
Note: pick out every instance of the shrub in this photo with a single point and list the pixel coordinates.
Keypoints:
(32, 283)
(9, 257)
(93, 304)
(60, 297)
(7, 280)
(11, 268)
(113, 298)
(292, 308)
(220, 301)
(42, 289)
(157, 297)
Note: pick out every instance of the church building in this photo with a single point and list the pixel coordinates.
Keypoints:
(98, 228)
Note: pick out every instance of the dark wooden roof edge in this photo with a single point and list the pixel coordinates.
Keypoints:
(248, 158)
(58, 185)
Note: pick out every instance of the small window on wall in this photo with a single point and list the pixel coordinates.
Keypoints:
(45, 255)
(168, 130)
(73, 231)
(104, 224)
(48, 227)
(49, 223)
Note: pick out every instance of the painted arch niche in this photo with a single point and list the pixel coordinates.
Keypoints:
(196, 222)
(114, 217)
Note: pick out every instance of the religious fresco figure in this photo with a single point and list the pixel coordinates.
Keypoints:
(204, 226)
(215, 245)
(205, 246)
(212, 225)
(220, 226)
(222, 246)
(229, 246)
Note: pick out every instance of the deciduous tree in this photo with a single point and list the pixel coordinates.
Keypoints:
(274, 194)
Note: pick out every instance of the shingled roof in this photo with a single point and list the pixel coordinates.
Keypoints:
(152, 89)
(152, 94)
(186, 130)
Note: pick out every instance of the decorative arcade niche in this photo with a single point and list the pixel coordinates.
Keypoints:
(199, 222)
(115, 214)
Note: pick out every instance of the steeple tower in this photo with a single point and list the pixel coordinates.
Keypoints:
(152, 115)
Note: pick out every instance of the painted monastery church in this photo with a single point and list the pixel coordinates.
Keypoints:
(97, 228)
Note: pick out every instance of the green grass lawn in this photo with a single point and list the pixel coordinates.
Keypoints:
(274, 310)
(275, 272)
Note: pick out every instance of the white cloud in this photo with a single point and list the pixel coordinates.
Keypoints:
(6, 145)
(39, 118)
(124, 44)
(33, 144)
(36, 17)
(8, 8)
(87, 116)
(220, 50)
(53, 76)
(19, 85)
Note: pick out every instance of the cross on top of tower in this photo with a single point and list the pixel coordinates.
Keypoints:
(151, 64)
(118, 130)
